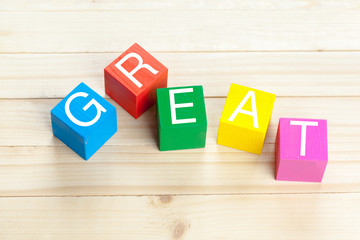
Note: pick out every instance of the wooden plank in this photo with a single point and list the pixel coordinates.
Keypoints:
(57, 171)
(340, 152)
(113, 5)
(27, 122)
(181, 30)
(308, 216)
(286, 74)
(33, 162)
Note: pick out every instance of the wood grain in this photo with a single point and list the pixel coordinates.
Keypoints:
(31, 126)
(154, 5)
(36, 163)
(181, 30)
(286, 74)
(305, 51)
(308, 216)
(57, 171)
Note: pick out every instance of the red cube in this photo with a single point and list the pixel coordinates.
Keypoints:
(132, 79)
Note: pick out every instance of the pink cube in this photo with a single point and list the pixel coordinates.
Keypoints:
(301, 149)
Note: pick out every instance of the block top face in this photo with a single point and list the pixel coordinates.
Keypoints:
(248, 107)
(303, 139)
(136, 69)
(181, 106)
(83, 110)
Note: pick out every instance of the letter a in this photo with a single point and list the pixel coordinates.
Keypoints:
(253, 113)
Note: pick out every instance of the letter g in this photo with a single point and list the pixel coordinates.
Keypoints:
(99, 109)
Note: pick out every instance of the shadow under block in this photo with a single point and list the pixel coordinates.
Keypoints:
(84, 121)
(245, 118)
(301, 150)
(132, 79)
(181, 118)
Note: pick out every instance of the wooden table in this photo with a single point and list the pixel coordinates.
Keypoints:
(306, 52)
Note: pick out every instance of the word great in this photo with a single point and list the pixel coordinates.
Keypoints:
(84, 121)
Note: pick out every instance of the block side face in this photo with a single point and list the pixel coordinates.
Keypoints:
(185, 137)
(301, 170)
(240, 138)
(316, 148)
(119, 93)
(101, 135)
(262, 101)
(147, 98)
(143, 75)
(68, 136)
(277, 151)
(158, 123)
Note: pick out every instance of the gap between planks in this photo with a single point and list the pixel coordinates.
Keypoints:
(206, 97)
(180, 195)
(284, 74)
(152, 5)
(202, 51)
(324, 29)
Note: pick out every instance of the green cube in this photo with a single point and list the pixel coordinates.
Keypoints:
(181, 118)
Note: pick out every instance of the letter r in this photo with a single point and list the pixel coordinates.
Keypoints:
(140, 65)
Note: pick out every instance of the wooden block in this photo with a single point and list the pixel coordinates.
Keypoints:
(132, 79)
(301, 149)
(84, 121)
(245, 118)
(182, 120)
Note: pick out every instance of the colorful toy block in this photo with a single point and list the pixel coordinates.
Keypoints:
(84, 121)
(245, 118)
(132, 79)
(182, 120)
(301, 149)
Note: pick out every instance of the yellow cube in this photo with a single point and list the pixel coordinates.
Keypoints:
(245, 118)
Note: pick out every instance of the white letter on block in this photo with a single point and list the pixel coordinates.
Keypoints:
(99, 109)
(303, 125)
(138, 67)
(253, 113)
(174, 106)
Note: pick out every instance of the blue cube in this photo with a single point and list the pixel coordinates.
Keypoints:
(84, 121)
